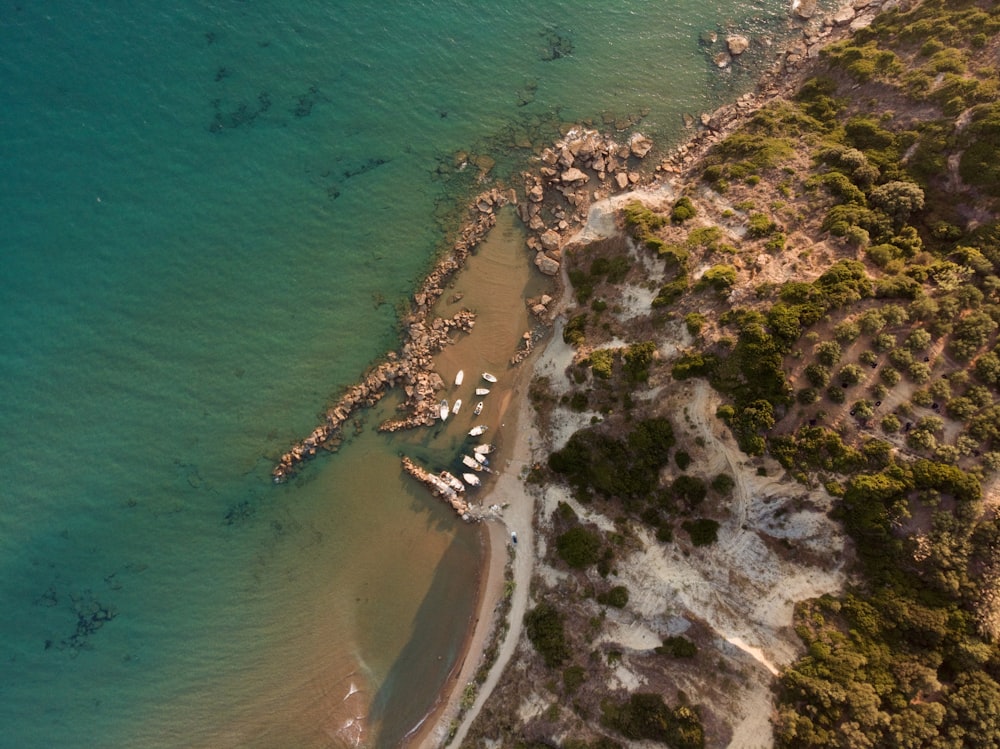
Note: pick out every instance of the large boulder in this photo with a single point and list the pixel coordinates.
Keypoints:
(551, 240)
(737, 44)
(640, 145)
(573, 175)
(546, 265)
(806, 9)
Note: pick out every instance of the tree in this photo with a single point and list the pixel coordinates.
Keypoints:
(898, 199)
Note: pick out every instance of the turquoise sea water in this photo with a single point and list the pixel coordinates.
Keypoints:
(210, 213)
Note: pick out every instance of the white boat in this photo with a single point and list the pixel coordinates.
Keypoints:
(444, 409)
(488, 377)
(458, 405)
(452, 481)
(484, 449)
(471, 463)
(478, 409)
(459, 377)
(471, 479)
(480, 457)
(476, 431)
(482, 391)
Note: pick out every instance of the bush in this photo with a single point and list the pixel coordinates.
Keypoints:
(544, 626)
(601, 363)
(695, 321)
(573, 333)
(760, 225)
(723, 484)
(682, 459)
(703, 531)
(616, 597)
(579, 547)
(718, 277)
(683, 210)
(646, 716)
(678, 646)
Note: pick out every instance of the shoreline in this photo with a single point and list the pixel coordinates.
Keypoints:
(787, 73)
(583, 169)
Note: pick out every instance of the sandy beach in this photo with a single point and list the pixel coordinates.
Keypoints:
(509, 492)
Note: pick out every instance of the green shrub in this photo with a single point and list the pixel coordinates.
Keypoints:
(760, 225)
(646, 716)
(573, 333)
(579, 547)
(683, 210)
(601, 363)
(678, 646)
(695, 321)
(703, 531)
(616, 597)
(545, 630)
(718, 277)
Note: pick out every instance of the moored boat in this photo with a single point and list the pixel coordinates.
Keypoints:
(452, 481)
(488, 377)
(478, 409)
(458, 405)
(471, 479)
(480, 457)
(444, 409)
(484, 449)
(459, 377)
(477, 430)
(482, 391)
(471, 463)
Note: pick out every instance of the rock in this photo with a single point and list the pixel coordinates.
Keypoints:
(640, 145)
(621, 179)
(536, 193)
(708, 38)
(722, 59)
(633, 177)
(551, 240)
(844, 16)
(538, 310)
(545, 301)
(737, 44)
(806, 9)
(573, 175)
(546, 265)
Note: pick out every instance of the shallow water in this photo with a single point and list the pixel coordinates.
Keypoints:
(211, 212)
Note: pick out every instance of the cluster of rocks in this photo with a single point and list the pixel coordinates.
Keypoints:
(412, 366)
(782, 79)
(582, 167)
(440, 488)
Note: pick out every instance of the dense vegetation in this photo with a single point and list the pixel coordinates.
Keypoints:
(875, 375)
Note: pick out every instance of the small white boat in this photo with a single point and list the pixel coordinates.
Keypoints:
(471, 479)
(478, 409)
(488, 377)
(477, 430)
(480, 457)
(482, 391)
(458, 405)
(452, 481)
(444, 409)
(459, 377)
(484, 449)
(471, 463)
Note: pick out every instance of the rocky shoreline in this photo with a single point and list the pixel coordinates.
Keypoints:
(583, 167)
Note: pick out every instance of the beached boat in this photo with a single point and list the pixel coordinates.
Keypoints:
(452, 481)
(477, 430)
(471, 463)
(478, 409)
(488, 377)
(444, 409)
(471, 479)
(484, 449)
(459, 377)
(482, 391)
(458, 405)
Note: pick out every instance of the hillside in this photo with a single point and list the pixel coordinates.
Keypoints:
(768, 510)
